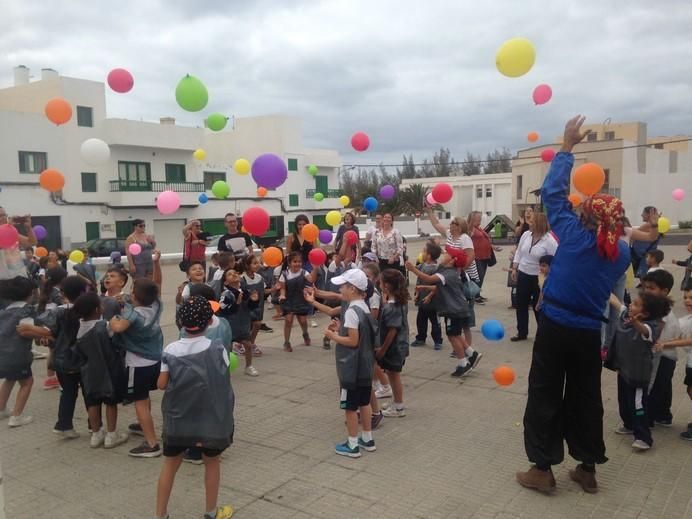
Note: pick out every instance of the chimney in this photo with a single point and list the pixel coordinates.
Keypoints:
(167, 120)
(49, 73)
(21, 75)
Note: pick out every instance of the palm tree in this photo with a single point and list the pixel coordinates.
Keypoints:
(412, 199)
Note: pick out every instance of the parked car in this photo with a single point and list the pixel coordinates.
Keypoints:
(102, 247)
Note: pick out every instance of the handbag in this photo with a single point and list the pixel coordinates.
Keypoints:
(492, 261)
(471, 288)
(185, 263)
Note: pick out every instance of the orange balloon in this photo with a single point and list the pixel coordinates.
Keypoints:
(310, 232)
(532, 136)
(273, 256)
(51, 180)
(589, 178)
(41, 252)
(575, 200)
(262, 191)
(215, 306)
(58, 110)
(504, 375)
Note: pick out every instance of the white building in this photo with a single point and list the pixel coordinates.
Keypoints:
(146, 158)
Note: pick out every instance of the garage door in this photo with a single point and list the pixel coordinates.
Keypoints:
(169, 235)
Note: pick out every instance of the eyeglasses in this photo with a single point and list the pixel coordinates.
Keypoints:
(141, 226)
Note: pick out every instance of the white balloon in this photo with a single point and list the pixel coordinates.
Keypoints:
(95, 152)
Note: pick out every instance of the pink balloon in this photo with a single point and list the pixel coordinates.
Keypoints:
(678, 194)
(135, 249)
(548, 154)
(430, 199)
(168, 202)
(360, 141)
(8, 236)
(120, 80)
(542, 94)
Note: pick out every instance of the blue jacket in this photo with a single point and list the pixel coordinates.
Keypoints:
(580, 280)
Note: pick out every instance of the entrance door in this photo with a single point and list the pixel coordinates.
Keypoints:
(169, 235)
(92, 231)
(53, 240)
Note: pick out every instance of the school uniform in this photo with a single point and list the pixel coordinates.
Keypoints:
(219, 330)
(295, 302)
(450, 301)
(427, 312)
(394, 315)
(254, 284)
(661, 385)
(15, 350)
(237, 314)
(103, 373)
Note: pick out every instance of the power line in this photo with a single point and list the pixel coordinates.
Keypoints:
(489, 161)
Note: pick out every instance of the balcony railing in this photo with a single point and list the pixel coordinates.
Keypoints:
(156, 186)
(331, 193)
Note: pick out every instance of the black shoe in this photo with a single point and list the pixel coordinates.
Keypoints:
(480, 300)
(462, 371)
(146, 451)
(518, 338)
(264, 328)
(475, 359)
(135, 428)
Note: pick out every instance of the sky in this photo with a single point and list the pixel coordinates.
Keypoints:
(415, 76)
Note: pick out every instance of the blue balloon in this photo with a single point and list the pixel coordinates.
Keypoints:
(203, 198)
(493, 330)
(370, 204)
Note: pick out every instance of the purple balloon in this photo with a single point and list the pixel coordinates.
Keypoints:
(387, 192)
(269, 171)
(40, 232)
(325, 236)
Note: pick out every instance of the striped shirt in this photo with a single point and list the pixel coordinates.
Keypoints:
(464, 242)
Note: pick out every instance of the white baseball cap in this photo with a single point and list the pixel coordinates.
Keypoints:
(355, 277)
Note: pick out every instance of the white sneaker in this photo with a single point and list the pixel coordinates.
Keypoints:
(641, 445)
(251, 371)
(114, 439)
(4, 414)
(393, 412)
(18, 421)
(313, 323)
(383, 392)
(70, 434)
(97, 439)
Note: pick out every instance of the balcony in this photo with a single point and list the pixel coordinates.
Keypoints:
(331, 193)
(155, 186)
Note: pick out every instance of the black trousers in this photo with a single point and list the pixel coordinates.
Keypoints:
(661, 394)
(482, 266)
(384, 264)
(424, 315)
(527, 295)
(70, 383)
(564, 400)
(633, 407)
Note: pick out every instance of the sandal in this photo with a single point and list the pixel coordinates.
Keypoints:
(306, 339)
(287, 347)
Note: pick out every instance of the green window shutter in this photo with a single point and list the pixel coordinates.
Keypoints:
(175, 173)
(322, 184)
(89, 183)
(293, 200)
(212, 176)
(123, 228)
(320, 221)
(291, 227)
(85, 116)
(213, 226)
(92, 231)
(292, 164)
(32, 161)
(134, 176)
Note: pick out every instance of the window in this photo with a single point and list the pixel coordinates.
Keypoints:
(320, 221)
(488, 191)
(520, 187)
(32, 161)
(175, 173)
(293, 200)
(609, 136)
(92, 230)
(322, 184)
(212, 176)
(292, 164)
(658, 146)
(123, 228)
(606, 183)
(593, 136)
(89, 183)
(479, 192)
(134, 176)
(85, 116)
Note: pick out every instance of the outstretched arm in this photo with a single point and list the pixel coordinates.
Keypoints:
(435, 222)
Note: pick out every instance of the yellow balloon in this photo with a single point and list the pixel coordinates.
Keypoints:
(333, 218)
(515, 57)
(242, 166)
(420, 258)
(344, 200)
(199, 154)
(76, 256)
(663, 225)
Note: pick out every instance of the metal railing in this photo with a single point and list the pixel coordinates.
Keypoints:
(156, 186)
(331, 193)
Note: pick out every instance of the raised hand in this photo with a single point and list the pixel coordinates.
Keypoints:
(573, 134)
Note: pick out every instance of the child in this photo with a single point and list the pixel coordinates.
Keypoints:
(226, 260)
(355, 340)
(631, 356)
(450, 299)
(214, 267)
(195, 276)
(17, 330)
(687, 277)
(543, 270)
(102, 374)
(654, 258)
(252, 282)
(236, 306)
(51, 298)
(114, 285)
(291, 285)
(197, 406)
(393, 328)
(426, 312)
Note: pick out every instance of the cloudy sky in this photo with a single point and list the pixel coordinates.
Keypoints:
(415, 75)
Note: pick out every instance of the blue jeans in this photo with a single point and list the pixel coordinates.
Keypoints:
(608, 329)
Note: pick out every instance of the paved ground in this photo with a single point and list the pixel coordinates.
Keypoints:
(454, 455)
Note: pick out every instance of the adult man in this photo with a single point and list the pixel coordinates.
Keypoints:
(564, 401)
(235, 241)
(11, 261)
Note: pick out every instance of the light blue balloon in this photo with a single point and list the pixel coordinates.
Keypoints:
(203, 198)
(370, 204)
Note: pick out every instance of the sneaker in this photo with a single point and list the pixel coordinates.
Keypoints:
(306, 339)
(97, 439)
(393, 412)
(264, 328)
(640, 445)
(462, 371)
(144, 450)
(376, 420)
(69, 434)
(686, 435)
(256, 352)
(38, 354)
(623, 430)
(326, 344)
(475, 359)
(664, 423)
(438, 346)
(51, 383)
(367, 446)
(135, 428)
(480, 300)
(452, 354)
(238, 348)
(383, 392)
(114, 439)
(194, 458)
(251, 371)
(18, 421)
(417, 343)
(223, 512)
(287, 347)
(342, 449)
(313, 324)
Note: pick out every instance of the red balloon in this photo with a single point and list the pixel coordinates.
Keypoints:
(8, 236)
(351, 237)
(256, 221)
(548, 155)
(442, 193)
(360, 141)
(120, 80)
(317, 257)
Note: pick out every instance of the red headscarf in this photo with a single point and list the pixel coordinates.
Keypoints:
(458, 254)
(608, 213)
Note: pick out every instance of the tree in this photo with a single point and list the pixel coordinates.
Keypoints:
(411, 199)
(408, 170)
(499, 161)
(441, 162)
(472, 165)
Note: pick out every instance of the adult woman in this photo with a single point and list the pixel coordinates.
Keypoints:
(534, 244)
(348, 225)
(141, 265)
(482, 247)
(522, 226)
(296, 243)
(388, 245)
(195, 245)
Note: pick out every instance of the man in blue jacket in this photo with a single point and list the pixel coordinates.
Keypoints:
(564, 401)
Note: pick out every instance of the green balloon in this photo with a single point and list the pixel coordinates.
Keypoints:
(216, 122)
(221, 189)
(312, 169)
(319, 197)
(232, 361)
(191, 94)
